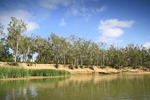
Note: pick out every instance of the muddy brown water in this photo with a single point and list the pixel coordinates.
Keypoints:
(79, 87)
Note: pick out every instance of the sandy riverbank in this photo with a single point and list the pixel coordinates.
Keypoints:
(96, 69)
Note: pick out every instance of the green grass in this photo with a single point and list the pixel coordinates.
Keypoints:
(13, 72)
(48, 72)
(6, 72)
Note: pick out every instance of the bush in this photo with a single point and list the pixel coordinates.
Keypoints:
(12, 64)
(56, 65)
(71, 67)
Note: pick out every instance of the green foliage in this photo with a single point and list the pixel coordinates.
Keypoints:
(4, 47)
(16, 28)
(13, 72)
(26, 48)
(6, 72)
(5, 54)
(48, 72)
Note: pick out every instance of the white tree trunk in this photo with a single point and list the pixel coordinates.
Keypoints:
(16, 53)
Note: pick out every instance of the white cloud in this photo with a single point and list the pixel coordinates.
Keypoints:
(112, 29)
(73, 11)
(62, 22)
(85, 11)
(52, 4)
(109, 40)
(19, 14)
(32, 25)
(102, 9)
(147, 45)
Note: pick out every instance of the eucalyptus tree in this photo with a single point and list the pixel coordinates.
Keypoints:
(1, 30)
(79, 54)
(122, 57)
(119, 58)
(57, 47)
(93, 54)
(138, 55)
(2, 35)
(65, 45)
(16, 28)
(102, 54)
(75, 49)
(42, 49)
(70, 51)
(32, 47)
(131, 55)
(5, 54)
(112, 56)
(142, 55)
(146, 61)
(27, 48)
(84, 52)
(1, 41)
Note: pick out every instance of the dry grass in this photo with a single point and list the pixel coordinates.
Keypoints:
(76, 71)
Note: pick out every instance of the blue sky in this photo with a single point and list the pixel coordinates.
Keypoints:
(118, 22)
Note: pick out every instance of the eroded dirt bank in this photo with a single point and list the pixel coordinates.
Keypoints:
(96, 69)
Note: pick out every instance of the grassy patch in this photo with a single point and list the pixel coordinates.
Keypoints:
(21, 72)
(48, 72)
(13, 72)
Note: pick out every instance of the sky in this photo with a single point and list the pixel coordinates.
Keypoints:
(117, 22)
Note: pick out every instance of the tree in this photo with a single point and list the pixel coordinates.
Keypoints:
(16, 29)
(65, 45)
(84, 46)
(94, 53)
(57, 47)
(1, 29)
(42, 48)
(27, 48)
(102, 54)
(75, 49)
(5, 55)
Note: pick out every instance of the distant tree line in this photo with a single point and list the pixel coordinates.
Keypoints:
(74, 51)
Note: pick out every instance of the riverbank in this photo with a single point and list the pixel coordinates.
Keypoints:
(95, 70)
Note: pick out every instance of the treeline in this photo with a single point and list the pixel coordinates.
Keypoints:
(73, 51)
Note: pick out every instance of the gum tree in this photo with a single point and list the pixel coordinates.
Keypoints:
(16, 28)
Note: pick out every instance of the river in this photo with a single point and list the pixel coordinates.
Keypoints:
(79, 87)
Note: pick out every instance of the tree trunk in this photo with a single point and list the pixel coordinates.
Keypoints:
(16, 53)
(81, 62)
(64, 60)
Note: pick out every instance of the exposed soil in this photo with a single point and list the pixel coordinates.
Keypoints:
(95, 69)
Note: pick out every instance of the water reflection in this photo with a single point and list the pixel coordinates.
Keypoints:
(79, 87)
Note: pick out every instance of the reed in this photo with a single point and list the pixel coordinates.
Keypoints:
(6, 72)
(13, 72)
(48, 72)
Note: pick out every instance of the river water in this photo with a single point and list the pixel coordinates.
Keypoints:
(79, 87)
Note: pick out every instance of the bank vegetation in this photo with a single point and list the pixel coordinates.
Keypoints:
(10, 72)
